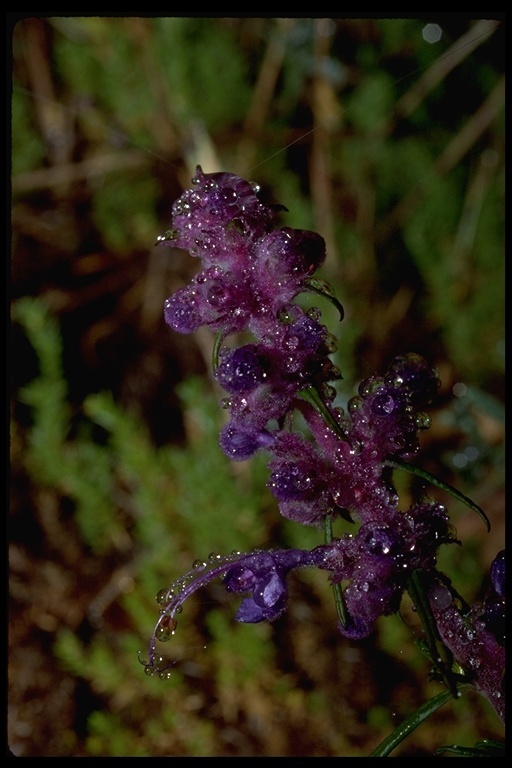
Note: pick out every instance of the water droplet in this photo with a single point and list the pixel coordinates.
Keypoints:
(285, 316)
(162, 597)
(165, 674)
(314, 313)
(198, 565)
(328, 392)
(149, 670)
(292, 342)
(356, 448)
(167, 236)
(355, 404)
(166, 628)
(440, 596)
(331, 343)
(371, 386)
(422, 421)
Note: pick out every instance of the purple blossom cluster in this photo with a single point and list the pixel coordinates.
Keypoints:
(251, 272)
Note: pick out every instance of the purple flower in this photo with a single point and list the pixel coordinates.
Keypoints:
(498, 573)
(261, 575)
(494, 616)
(219, 218)
(472, 643)
(299, 479)
(251, 273)
(283, 258)
(241, 370)
(239, 441)
(216, 298)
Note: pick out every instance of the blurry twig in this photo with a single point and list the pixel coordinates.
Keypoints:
(54, 123)
(326, 115)
(454, 152)
(442, 66)
(263, 94)
(70, 173)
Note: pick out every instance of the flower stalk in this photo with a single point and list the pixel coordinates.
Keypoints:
(251, 272)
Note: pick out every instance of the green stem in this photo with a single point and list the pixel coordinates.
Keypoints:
(336, 588)
(312, 396)
(216, 348)
(441, 658)
(412, 722)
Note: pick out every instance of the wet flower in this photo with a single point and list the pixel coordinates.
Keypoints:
(494, 616)
(251, 273)
(473, 641)
(261, 575)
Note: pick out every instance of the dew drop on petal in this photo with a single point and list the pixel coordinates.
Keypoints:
(441, 597)
(162, 597)
(422, 421)
(356, 448)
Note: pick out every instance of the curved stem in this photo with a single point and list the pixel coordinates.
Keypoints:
(336, 588)
(412, 722)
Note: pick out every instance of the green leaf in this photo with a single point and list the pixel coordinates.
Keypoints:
(216, 349)
(441, 485)
(484, 748)
(339, 601)
(312, 396)
(412, 722)
(322, 287)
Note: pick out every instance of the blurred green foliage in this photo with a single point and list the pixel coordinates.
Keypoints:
(391, 148)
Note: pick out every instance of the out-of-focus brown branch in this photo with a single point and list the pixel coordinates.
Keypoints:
(326, 116)
(454, 152)
(262, 95)
(70, 173)
(443, 65)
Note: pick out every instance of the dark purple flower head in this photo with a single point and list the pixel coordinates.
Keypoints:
(216, 298)
(241, 370)
(282, 259)
(494, 614)
(498, 573)
(263, 576)
(473, 642)
(219, 218)
(241, 441)
(387, 413)
(299, 479)
(251, 273)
